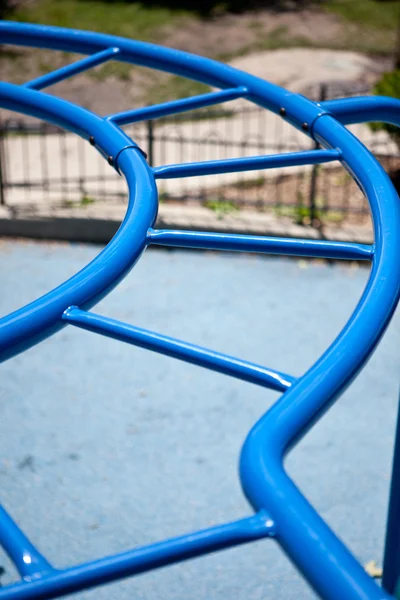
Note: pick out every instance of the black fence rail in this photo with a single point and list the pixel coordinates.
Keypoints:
(43, 167)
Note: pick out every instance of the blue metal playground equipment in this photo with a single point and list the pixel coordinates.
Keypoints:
(281, 511)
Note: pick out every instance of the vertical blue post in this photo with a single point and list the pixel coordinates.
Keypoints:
(391, 561)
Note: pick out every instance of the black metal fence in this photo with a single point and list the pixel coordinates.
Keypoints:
(43, 167)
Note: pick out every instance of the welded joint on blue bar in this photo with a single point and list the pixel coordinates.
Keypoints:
(262, 525)
(29, 562)
(114, 161)
(39, 575)
(317, 118)
(306, 126)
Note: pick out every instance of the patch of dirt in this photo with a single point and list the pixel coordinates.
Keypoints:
(228, 35)
(300, 69)
(231, 35)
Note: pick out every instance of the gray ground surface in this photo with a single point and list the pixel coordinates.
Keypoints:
(105, 446)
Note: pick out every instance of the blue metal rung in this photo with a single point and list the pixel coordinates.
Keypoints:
(251, 163)
(176, 106)
(78, 67)
(265, 245)
(196, 355)
(140, 560)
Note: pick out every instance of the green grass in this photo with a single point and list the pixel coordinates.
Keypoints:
(302, 214)
(174, 88)
(370, 13)
(221, 207)
(368, 26)
(119, 18)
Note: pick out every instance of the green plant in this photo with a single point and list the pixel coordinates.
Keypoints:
(388, 85)
(302, 214)
(371, 13)
(221, 207)
(85, 200)
(129, 19)
(302, 211)
(163, 196)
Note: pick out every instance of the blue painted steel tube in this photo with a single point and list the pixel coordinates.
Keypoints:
(25, 556)
(265, 245)
(251, 163)
(176, 106)
(299, 110)
(333, 571)
(142, 559)
(391, 560)
(363, 109)
(43, 317)
(323, 559)
(73, 69)
(190, 353)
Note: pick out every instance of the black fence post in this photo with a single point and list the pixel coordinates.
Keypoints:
(150, 143)
(315, 170)
(2, 167)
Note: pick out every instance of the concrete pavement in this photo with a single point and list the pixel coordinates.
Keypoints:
(106, 446)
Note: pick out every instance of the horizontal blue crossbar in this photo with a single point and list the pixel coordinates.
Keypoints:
(73, 69)
(22, 552)
(190, 353)
(142, 559)
(176, 106)
(265, 245)
(251, 163)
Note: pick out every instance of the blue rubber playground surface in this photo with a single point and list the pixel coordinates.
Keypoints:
(105, 446)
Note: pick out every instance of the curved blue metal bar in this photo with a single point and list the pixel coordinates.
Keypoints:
(31, 324)
(317, 552)
(298, 110)
(264, 480)
(363, 109)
